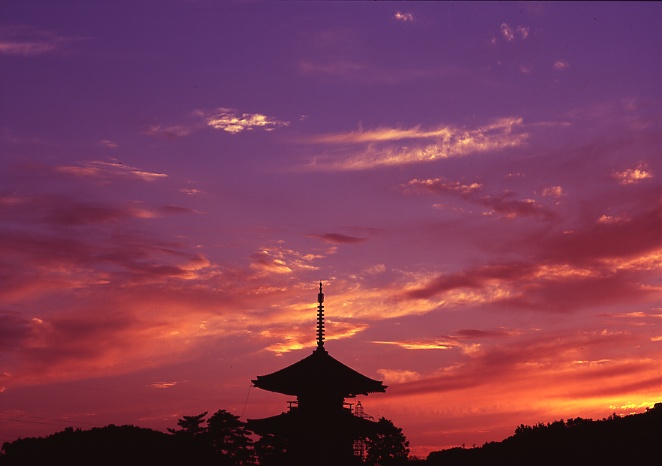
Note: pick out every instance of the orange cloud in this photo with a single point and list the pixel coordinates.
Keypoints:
(224, 119)
(553, 191)
(281, 260)
(633, 175)
(227, 120)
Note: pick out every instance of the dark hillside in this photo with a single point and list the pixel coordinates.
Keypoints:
(633, 439)
(110, 445)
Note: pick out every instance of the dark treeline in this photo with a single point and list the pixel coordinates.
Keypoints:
(633, 439)
(222, 439)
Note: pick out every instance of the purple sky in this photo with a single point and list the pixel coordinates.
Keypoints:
(476, 184)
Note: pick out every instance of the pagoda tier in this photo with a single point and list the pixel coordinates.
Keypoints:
(316, 374)
(326, 440)
(291, 423)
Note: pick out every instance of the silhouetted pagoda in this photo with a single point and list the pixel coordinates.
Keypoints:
(319, 428)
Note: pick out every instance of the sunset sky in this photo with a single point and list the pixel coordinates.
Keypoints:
(477, 185)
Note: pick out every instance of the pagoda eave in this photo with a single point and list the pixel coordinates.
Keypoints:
(295, 422)
(317, 373)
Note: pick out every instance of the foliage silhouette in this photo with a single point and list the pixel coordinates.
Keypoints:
(389, 447)
(270, 450)
(633, 439)
(229, 439)
(224, 440)
(103, 446)
(190, 425)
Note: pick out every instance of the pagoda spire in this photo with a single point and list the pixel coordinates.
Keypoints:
(320, 320)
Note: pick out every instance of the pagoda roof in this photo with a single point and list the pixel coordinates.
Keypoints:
(319, 373)
(294, 421)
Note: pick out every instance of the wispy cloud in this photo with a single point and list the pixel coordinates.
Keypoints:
(162, 385)
(448, 141)
(404, 17)
(26, 41)
(561, 65)
(510, 33)
(190, 191)
(334, 68)
(507, 32)
(432, 345)
(505, 204)
(523, 31)
(106, 170)
(228, 120)
(398, 376)
(109, 144)
(281, 260)
(386, 134)
(338, 238)
(222, 119)
(172, 131)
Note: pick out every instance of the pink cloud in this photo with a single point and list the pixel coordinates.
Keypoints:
(337, 238)
(404, 17)
(505, 203)
(108, 170)
(564, 271)
(596, 240)
(26, 41)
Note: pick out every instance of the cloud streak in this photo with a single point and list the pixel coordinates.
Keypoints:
(380, 151)
(29, 42)
(505, 204)
(222, 119)
(226, 119)
(106, 170)
(337, 238)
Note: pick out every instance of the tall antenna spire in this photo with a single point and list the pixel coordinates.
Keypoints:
(320, 319)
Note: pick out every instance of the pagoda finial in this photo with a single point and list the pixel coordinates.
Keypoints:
(320, 319)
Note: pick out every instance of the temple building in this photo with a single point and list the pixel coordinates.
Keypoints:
(320, 428)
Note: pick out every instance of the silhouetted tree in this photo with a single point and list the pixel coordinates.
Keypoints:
(389, 447)
(270, 450)
(191, 440)
(230, 439)
(190, 425)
